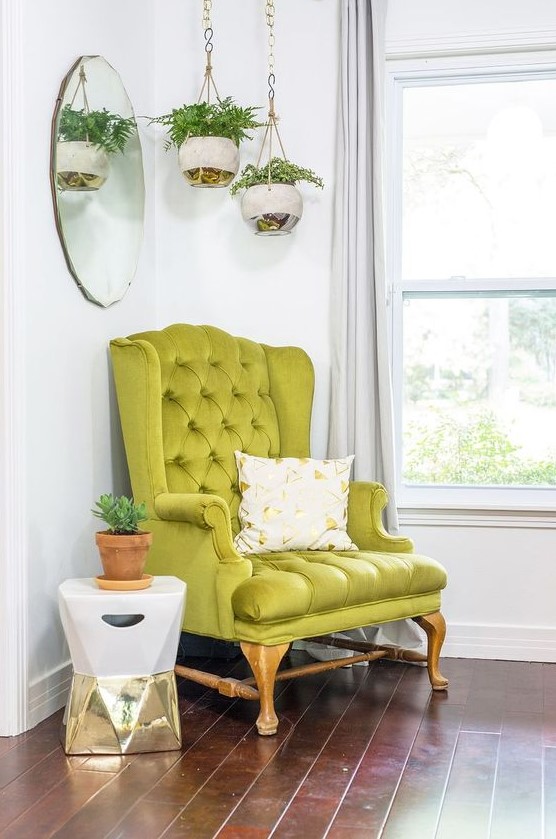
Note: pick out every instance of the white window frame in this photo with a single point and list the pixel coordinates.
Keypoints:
(418, 72)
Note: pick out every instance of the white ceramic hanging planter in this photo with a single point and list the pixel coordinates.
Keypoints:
(209, 161)
(272, 209)
(80, 166)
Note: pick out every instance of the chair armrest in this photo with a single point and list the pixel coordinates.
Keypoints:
(209, 512)
(365, 505)
(186, 526)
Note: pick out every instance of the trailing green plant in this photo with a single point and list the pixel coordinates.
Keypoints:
(120, 514)
(281, 172)
(101, 128)
(203, 119)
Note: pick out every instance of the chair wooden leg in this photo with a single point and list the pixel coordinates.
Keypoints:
(264, 662)
(435, 628)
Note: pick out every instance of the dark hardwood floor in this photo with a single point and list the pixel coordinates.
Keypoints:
(360, 753)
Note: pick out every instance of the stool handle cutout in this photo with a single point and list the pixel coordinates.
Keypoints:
(120, 621)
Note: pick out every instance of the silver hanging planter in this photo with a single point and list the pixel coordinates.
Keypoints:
(272, 209)
(208, 161)
(80, 166)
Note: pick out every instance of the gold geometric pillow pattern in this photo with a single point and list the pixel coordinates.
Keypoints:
(290, 503)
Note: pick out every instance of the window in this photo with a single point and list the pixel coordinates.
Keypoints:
(473, 272)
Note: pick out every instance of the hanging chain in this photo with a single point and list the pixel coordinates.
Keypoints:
(208, 33)
(269, 13)
(207, 25)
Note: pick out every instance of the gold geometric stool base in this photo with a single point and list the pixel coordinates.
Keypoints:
(122, 715)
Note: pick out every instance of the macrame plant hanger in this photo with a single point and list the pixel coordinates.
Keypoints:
(272, 208)
(81, 85)
(80, 165)
(208, 161)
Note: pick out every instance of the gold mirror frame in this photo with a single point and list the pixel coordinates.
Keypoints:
(98, 197)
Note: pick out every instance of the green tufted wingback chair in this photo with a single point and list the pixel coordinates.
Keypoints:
(189, 396)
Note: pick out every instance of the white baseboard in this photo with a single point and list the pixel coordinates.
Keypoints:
(48, 694)
(508, 643)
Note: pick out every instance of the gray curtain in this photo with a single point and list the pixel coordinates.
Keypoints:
(361, 420)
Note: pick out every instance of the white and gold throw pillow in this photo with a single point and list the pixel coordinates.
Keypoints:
(291, 503)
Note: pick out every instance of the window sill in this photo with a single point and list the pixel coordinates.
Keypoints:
(477, 516)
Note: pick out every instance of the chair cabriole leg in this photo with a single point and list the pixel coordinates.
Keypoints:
(434, 626)
(264, 662)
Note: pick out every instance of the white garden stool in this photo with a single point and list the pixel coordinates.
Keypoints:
(123, 645)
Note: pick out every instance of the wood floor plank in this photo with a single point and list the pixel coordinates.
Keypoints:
(486, 703)
(57, 807)
(549, 790)
(29, 751)
(370, 795)
(416, 807)
(117, 796)
(517, 802)
(146, 819)
(324, 787)
(549, 705)
(467, 804)
(527, 693)
(7, 743)
(199, 760)
(30, 787)
(323, 780)
(549, 685)
(206, 747)
(230, 781)
(360, 753)
(460, 673)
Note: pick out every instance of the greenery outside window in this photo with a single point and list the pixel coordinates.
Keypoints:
(473, 277)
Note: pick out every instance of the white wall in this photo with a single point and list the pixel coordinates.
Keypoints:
(444, 24)
(72, 451)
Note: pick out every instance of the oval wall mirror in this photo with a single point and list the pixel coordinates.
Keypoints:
(97, 180)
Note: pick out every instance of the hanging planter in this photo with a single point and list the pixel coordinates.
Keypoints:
(80, 166)
(208, 161)
(271, 204)
(207, 135)
(272, 210)
(85, 141)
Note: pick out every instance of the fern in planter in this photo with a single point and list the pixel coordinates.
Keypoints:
(203, 119)
(100, 128)
(281, 172)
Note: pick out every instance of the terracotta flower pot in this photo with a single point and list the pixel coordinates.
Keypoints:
(123, 557)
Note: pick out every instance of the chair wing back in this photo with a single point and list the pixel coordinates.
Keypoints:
(189, 396)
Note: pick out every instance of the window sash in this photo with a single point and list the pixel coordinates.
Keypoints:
(438, 496)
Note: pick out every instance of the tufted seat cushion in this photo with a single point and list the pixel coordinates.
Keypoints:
(296, 584)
